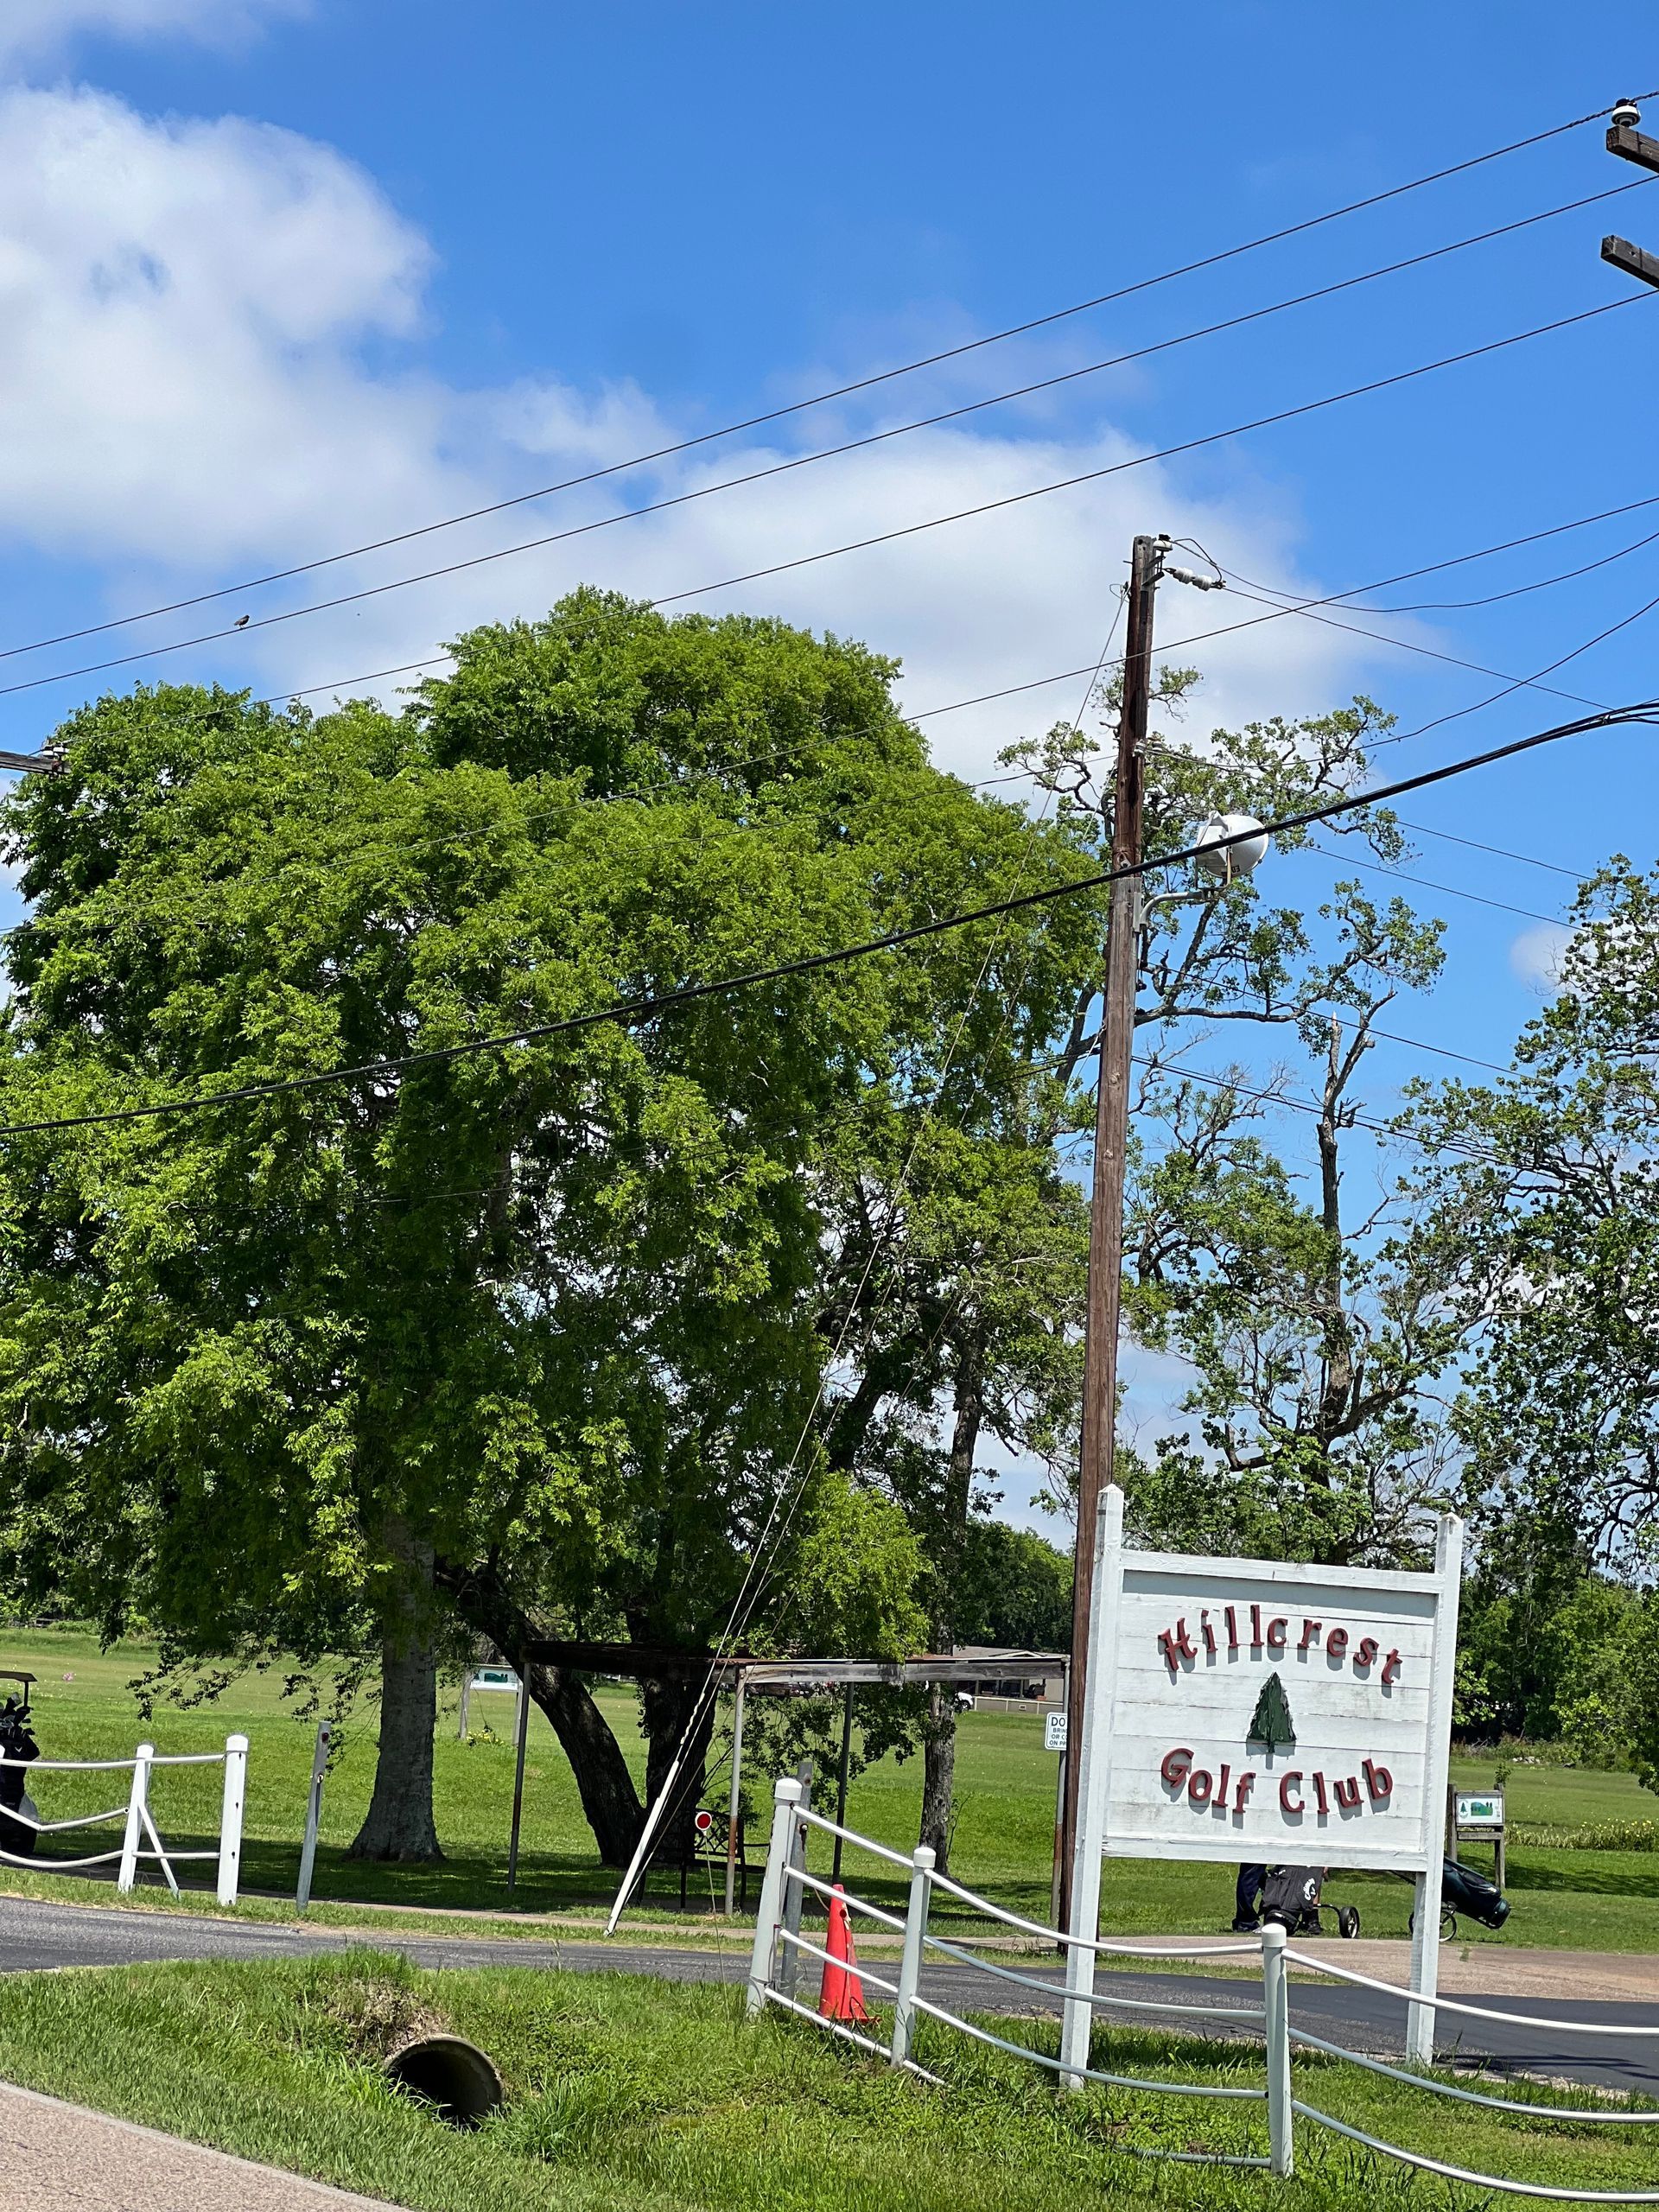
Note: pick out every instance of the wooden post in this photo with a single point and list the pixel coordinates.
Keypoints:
(1111, 1144)
(734, 1814)
(841, 1777)
(519, 1784)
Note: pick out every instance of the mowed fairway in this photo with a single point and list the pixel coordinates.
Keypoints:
(1593, 1900)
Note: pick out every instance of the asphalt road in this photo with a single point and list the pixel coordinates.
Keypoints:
(35, 1936)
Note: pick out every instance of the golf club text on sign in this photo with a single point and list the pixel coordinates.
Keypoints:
(1272, 1712)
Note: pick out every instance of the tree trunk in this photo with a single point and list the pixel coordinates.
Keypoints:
(609, 1801)
(400, 1823)
(939, 1775)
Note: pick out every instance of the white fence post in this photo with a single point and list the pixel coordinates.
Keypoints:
(1426, 1918)
(230, 1820)
(1090, 1762)
(1275, 2004)
(785, 1797)
(794, 1897)
(137, 1803)
(910, 1965)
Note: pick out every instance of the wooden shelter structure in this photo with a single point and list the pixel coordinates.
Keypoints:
(741, 1673)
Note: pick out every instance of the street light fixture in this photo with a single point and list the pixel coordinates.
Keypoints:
(1230, 848)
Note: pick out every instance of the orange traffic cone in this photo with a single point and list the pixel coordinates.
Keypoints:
(842, 1997)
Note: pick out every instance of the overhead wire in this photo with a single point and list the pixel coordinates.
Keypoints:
(1035, 684)
(1404, 875)
(1521, 683)
(245, 628)
(648, 1006)
(757, 1573)
(841, 392)
(1391, 1131)
(1488, 598)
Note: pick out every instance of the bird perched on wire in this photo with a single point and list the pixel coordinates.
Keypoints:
(241, 622)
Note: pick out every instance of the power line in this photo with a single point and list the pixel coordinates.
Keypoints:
(840, 392)
(1644, 711)
(1040, 682)
(855, 545)
(1501, 852)
(1488, 598)
(1429, 652)
(1392, 1131)
(1522, 683)
(1451, 890)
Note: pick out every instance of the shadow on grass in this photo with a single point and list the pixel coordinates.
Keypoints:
(548, 1882)
(1602, 1873)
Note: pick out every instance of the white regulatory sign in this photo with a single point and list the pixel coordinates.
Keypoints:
(1055, 1732)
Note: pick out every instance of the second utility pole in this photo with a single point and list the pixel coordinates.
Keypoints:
(1111, 1143)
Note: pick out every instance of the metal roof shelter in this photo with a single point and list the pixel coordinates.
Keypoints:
(742, 1671)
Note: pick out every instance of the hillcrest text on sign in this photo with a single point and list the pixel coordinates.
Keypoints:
(1248, 1709)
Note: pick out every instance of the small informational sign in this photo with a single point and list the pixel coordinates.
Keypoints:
(1480, 1812)
(1055, 1732)
(493, 1678)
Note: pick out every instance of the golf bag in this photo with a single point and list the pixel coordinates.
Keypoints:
(1293, 1899)
(1290, 1899)
(17, 1742)
(1464, 1890)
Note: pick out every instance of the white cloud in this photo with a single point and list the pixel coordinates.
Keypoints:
(34, 29)
(185, 312)
(180, 309)
(1536, 956)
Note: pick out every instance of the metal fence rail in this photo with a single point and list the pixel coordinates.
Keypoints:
(138, 1821)
(780, 1946)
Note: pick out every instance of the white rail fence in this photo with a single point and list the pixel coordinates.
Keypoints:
(780, 1947)
(136, 1818)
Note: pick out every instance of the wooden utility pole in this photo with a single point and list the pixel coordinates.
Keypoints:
(1111, 1142)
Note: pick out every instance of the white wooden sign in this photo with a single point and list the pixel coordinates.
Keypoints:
(1277, 1712)
(1247, 1709)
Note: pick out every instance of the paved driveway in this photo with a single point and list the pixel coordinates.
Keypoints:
(35, 1935)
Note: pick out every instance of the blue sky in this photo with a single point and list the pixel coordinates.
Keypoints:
(276, 278)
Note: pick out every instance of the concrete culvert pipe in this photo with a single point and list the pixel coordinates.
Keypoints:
(455, 2077)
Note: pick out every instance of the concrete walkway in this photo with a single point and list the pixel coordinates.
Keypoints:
(59, 2158)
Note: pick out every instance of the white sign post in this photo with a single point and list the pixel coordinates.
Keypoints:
(1241, 1709)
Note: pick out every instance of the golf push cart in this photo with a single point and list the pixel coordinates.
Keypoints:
(1293, 1895)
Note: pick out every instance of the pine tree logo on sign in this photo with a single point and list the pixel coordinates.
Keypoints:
(1271, 1724)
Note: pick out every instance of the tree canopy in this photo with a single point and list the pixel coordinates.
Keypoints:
(519, 1339)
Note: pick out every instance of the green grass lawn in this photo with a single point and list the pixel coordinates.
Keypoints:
(637, 2096)
(1002, 1845)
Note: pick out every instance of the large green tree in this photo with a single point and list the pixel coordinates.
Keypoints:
(515, 1340)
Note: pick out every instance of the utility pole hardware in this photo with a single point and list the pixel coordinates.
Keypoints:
(1111, 1142)
(1631, 145)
